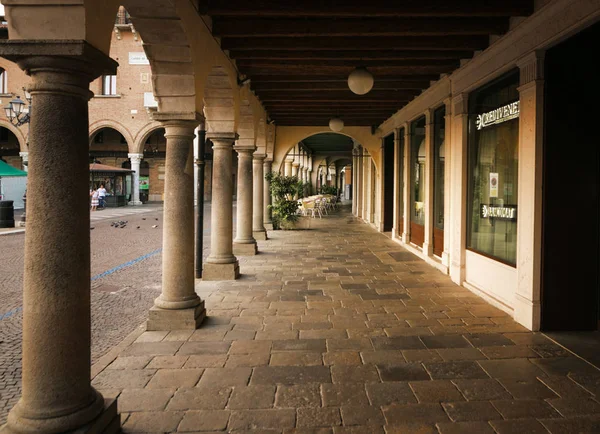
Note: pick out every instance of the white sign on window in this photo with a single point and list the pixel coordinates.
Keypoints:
(138, 58)
(493, 184)
(499, 115)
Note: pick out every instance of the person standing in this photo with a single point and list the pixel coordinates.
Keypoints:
(94, 195)
(102, 196)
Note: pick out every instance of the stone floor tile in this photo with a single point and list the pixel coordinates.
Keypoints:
(302, 395)
(587, 424)
(208, 335)
(362, 415)
(296, 358)
(365, 429)
(337, 395)
(422, 356)
(276, 419)
(398, 343)
(527, 408)
(178, 335)
(342, 358)
(202, 348)
(471, 411)
(152, 349)
(123, 378)
(249, 347)
(276, 335)
(309, 430)
(449, 341)
(315, 345)
(455, 370)
(590, 383)
(354, 374)
(152, 336)
(312, 325)
(570, 407)
(564, 366)
(153, 421)
(436, 391)
(290, 375)
(488, 340)
(247, 360)
(411, 428)
(200, 398)
(518, 426)
(361, 344)
(383, 357)
(414, 413)
(131, 400)
(383, 394)
(167, 362)
(225, 377)
(316, 417)
(509, 352)
(204, 420)
(459, 354)
(465, 428)
(528, 338)
(131, 362)
(175, 378)
(323, 334)
(550, 350)
(481, 390)
(403, 372)
(565, 387)
(252, 397)
(521, 369)
(396, 332)
(239, 335)
(531, 388)
(205, 361)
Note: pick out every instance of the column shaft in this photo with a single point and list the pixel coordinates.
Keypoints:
(288, 168)
(268, 222)
(258, 227)
(221, 264)
(244, 243)
(135, 159)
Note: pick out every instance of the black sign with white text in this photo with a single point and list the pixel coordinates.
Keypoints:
(504, 212)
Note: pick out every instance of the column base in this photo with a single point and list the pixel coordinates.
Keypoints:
(135, 203)
(428, 249)
(243, 249)
(260, 235)
(107, 422)
(268, 226)
(175, 319)
(229, 271)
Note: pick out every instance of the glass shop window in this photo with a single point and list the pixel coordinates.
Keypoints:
(439, 156)
(417, 167)
(493, 169)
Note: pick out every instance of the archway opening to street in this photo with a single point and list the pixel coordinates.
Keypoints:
(10, 148)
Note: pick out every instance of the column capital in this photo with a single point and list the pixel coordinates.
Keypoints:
(136, 158)
(24, 155)
(295, 164)
(459, 104)
(188, 118)
(259, 157)
(244, 149)
(531, 67)
(216, 136)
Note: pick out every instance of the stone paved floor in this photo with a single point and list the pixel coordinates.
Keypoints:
(337, 329)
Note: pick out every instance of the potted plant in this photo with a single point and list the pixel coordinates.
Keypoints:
(285, 190)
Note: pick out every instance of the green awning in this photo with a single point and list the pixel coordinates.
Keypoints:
(8, 170)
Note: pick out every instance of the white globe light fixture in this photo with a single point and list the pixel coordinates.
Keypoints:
(360, 81)
(336, 124)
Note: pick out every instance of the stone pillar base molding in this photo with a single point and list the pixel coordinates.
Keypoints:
(245, 249)
(428, 249)
(108, 421)
(269, 226)
(527, 312)
(134, 203)
(175, 319)
(260, 235)
(230, 271)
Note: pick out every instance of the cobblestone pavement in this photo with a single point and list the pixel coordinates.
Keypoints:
(121, 295)
(338, 329)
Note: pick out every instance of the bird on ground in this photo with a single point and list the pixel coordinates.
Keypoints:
(154, 226)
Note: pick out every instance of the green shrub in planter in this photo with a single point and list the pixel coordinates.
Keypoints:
(284, 189)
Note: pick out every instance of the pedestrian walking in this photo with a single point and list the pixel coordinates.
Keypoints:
(101, 196)
(94, 195)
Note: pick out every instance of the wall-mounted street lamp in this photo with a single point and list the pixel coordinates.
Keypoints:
(17, 111)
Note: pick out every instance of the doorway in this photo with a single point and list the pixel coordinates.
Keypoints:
(571, 217)
(400, 186)
(418, 156)
(388, 183)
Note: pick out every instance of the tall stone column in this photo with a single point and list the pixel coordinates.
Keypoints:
(244, 243)
(305, 179)
(295, 167)
(221, 264)
(429, 173)
(56, 392)
(25, 157)
(258, 226)
(406, 173)
(135, 159)
(288, 167)
(178, 306)
(267, 219)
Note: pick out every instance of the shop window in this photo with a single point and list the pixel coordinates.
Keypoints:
(3, 81)
(493, 169)
(109, 85)
(439, 172)
(417, 158)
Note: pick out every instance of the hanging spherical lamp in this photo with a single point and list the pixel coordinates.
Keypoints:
(360, 81)
(336, 124)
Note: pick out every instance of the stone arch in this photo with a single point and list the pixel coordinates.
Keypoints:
(261, 136)
(220, 101)
(247, 128)
(142, 136)
(21, 138)
(97, 126)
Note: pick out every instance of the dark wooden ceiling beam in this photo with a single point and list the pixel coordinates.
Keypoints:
(279, 63)
(337, 96)
(371, 8)
(451, 43)
(364, 27)
(342, 85)
(348, 55)
(326, 69)
(339, 78)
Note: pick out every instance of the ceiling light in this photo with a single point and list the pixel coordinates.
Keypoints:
(360, 81)
(336, 124)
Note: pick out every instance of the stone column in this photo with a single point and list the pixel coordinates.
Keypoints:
(529, 232)
(221, 264)
(25, 157)
(244, 243)
(56, 392)
(397, 186)
(407, 185)
(447, 182)
(258, 226)
(178, 306)
(353, 187)
(305, 180)
(288, 167)
(295, 169)
(428, 199)
(267, 219)
(136, 159)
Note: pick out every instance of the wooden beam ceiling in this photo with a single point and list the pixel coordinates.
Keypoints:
(298, 55)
